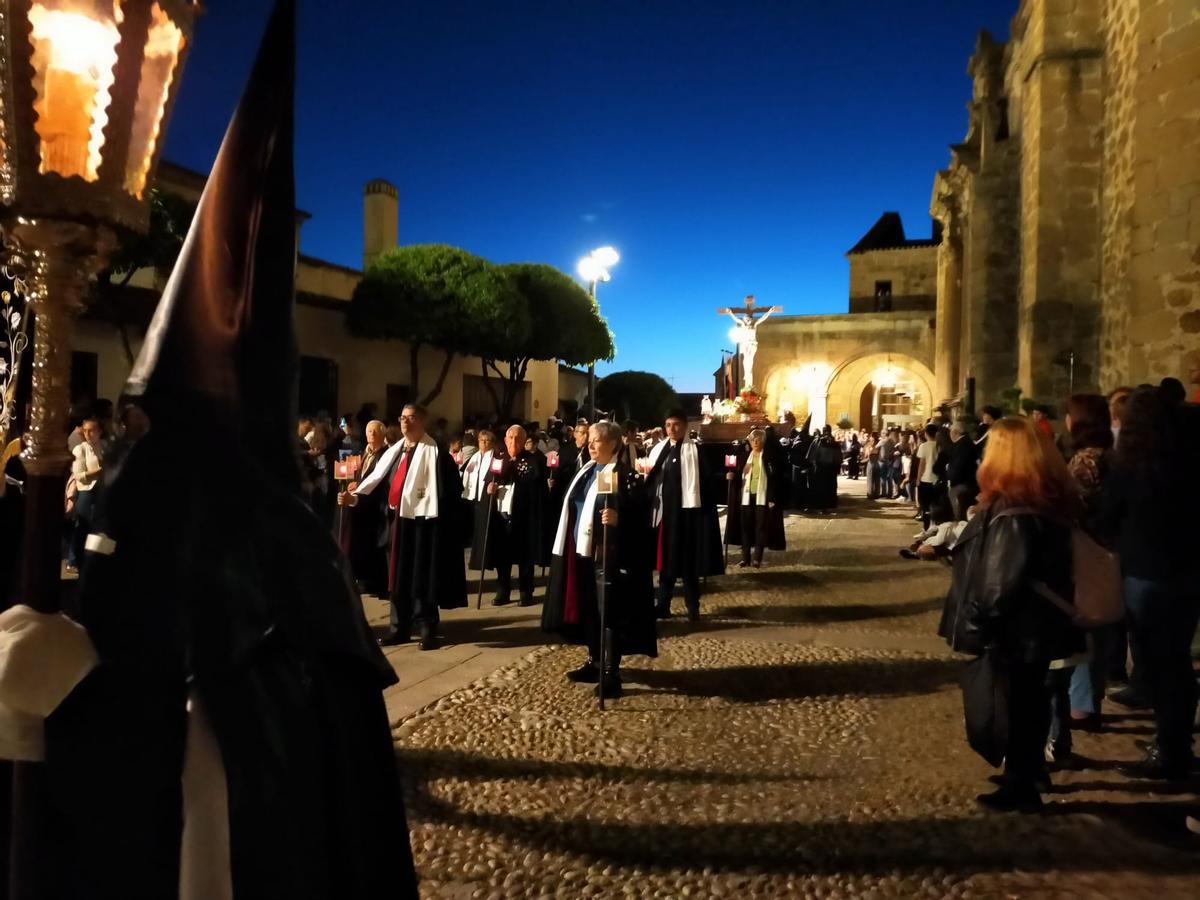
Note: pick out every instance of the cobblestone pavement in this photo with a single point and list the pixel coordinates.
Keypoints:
(804, 740)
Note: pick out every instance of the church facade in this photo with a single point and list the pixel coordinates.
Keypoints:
(1065, 251)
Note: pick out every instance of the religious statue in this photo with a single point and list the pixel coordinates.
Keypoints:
(747, 319)
(706, 407)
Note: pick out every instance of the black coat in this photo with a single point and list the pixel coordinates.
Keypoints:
(629, 583)
(778, 492)
(992, 604)
(251, 606)
(688, 542)
(364, 533)
(426, 554)
(519, 538)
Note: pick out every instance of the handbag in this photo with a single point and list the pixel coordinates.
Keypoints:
(985, 694)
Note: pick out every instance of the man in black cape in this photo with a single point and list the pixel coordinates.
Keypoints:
(364, 526)
(218, 604)
(516, 533)
(686, 532)
(425, 507)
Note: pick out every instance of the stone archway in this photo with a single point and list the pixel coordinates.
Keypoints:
(904, 385)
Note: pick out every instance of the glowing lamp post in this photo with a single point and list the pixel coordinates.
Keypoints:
(86, 89)
(593, 269)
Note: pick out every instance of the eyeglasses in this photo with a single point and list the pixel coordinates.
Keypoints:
(409, 418)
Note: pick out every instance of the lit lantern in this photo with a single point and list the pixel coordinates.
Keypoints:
(86, 89)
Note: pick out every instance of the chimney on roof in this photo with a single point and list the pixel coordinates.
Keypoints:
(381, 218)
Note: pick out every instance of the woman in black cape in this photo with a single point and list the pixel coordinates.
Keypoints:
(572, 602)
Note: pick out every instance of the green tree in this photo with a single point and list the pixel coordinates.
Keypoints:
(642, 396)
(431, 295)
(157, 249)
(552, 318)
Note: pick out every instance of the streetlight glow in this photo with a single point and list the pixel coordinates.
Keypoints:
(606, 256)
(593, 269)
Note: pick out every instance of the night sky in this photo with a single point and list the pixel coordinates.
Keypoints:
(724, 148)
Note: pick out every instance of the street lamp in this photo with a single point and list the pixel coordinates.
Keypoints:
(86, 89)
(593, 269)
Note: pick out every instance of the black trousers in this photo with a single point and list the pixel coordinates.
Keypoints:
(408, 611)
(754, 529)
(1029, 722)
(504, 580)
(925, 501)
(691, 591)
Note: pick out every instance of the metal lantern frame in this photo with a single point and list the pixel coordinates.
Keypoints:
(86, 93)
(105, 200)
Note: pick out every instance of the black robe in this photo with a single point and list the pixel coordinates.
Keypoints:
(364, 533)
(629, 584)
(687, 543)
(558, 480)
(778, 487)
(252, 607)
(518, 539)
(425, 556)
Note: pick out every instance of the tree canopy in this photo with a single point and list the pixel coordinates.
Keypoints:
(507, 315)
(641, 396)
(564, 323)
(436, 295)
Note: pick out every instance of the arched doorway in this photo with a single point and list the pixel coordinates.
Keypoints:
(866, 408)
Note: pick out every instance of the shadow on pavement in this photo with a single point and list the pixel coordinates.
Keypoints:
(758, 684)
(962, 845)
(822, 615)
(429, 764)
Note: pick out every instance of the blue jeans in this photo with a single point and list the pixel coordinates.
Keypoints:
(1088, 682)
(1162, 619)
(85, 508)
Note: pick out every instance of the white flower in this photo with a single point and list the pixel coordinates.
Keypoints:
(3, 366)
(15, 319)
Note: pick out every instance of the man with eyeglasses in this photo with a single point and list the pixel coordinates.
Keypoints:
(425, 562)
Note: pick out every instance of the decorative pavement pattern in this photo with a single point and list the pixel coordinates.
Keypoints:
(804, 740)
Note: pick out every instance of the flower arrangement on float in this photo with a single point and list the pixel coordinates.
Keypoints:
(750, 401)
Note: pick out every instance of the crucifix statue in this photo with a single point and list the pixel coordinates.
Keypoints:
(747, 318)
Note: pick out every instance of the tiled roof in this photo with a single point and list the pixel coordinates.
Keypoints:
(888, 234)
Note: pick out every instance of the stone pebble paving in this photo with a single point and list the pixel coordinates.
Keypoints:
(736, 767)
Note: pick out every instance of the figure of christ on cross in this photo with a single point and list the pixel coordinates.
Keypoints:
(748, 317)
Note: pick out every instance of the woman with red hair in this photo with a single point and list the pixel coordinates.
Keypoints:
(1015, 548)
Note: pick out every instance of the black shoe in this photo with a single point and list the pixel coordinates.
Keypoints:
(908, 554)
(588, 673)
(429, 639)
(1041, 783)
(501, 601)
(611, 685)
(527, 600)
(1155, 767)
(1129, 698)
(1008, 798)
(394, 639)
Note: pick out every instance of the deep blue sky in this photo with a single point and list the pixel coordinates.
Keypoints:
(725, 147)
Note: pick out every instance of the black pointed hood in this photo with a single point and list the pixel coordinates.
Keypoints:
(222, 337)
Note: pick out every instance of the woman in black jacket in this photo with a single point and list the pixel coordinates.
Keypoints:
(1012, 555)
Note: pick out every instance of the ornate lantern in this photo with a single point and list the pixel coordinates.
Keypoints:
(86, 89)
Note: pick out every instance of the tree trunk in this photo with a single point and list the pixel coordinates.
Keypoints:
(126, 344)
(487, 383)
(414, 368)
(441, 380)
